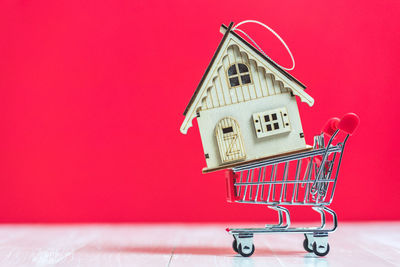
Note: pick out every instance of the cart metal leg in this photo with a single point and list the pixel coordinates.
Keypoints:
(281, 211)
(316, 238)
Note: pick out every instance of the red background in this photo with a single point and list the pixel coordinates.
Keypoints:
(92, 96)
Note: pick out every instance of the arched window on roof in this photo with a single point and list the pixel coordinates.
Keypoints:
(238, 74)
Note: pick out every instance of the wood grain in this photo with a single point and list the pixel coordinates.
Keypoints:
(364, 244)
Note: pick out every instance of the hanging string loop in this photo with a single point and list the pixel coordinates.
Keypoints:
(235, 28)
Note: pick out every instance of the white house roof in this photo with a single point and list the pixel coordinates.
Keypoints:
(194, 104)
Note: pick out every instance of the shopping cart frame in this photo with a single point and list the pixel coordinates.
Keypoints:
(323, 164)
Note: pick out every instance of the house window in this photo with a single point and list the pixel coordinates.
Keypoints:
(238, 74)
(271, 122)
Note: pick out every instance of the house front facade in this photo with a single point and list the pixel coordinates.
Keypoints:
(245, 106)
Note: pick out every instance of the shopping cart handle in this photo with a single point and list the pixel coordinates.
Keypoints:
(331, 126)
(349, 123)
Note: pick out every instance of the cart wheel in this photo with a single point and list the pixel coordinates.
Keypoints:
(246, 251)
(320, 250)
(234, 246)
(306, 245)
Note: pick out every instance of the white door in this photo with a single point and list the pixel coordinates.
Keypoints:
(229, 139)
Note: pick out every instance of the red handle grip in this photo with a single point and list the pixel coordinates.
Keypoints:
(331, 126)
(349, 123)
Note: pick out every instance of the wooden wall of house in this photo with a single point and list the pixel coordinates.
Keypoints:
(219, 92)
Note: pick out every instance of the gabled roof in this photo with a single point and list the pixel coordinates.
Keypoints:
(229, 30)
(296, 86)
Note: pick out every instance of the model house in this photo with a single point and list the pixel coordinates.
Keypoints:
(246, 106)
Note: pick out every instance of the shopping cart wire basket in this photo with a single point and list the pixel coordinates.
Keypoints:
(302, 179)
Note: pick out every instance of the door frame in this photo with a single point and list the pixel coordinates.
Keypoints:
(229, 140)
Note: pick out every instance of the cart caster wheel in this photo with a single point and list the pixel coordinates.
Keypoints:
(246, 251)
(320, 250)
(306, 245)
(234, 246)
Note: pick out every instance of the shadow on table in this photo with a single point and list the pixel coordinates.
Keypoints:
(192, 250)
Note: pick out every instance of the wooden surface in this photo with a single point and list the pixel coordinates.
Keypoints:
(367, 244)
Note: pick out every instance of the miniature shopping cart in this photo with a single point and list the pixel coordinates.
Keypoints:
(303, 179)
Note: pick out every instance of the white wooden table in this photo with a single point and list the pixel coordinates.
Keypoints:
(364, 244)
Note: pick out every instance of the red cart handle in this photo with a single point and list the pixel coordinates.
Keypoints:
(230, 186)
(331, 126)
(349, 123)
